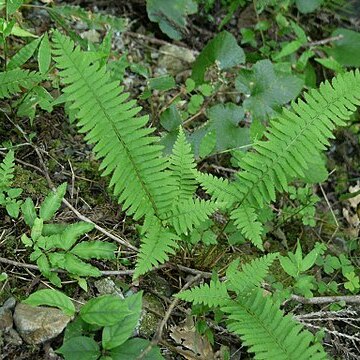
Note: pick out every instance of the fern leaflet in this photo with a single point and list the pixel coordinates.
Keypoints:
(251, 275)
(7, 168)
(212, 295)
(12, 81)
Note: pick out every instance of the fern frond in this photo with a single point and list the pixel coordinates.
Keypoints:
(221, 190)
(295, 136)
(268, 333)
(7, 168)
(212, 295)
(190, 213)
(182, 165)
(252, 274)
(122, 141)
(246, 219)
(12, 81)
(156, 245)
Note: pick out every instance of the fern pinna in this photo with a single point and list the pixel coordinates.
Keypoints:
(254, 316)
(149, 185)
(292, 140)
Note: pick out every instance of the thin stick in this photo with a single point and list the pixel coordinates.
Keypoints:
(351, 299)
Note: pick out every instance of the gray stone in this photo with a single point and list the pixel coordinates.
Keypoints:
(175, 58)
(39, 324)
(6, 320)
(106, 286)
(9, 304)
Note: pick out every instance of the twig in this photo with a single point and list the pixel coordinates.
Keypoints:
(324, 41)
(35, 267)
(351, 299)
(158, 334)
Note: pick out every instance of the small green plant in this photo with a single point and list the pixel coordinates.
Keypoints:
(9, 195)
(113, 317)
(56, 246)
(295, 265)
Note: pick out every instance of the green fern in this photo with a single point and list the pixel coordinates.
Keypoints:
(189, 214)
(293, 139)
(12, 81)
(7, 168)
(182, 166)
(124, 144)
(156, 246)
(252, 274)
(267, 332)
(254, 316)
(213, 295)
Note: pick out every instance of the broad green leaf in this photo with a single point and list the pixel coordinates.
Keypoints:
(117, 334)
(26, 240)
(20, 32)
(288, 49)
(14, 192)
(132, 348)
(170, 119)
(288, 266)
(226, 121)
(346, 51)
(73, 232)
(104, 310)
(81, 347)
(53, 298)
(3, 276)
(12, 6)
(267, 88)
(95, 250)
(52, 202)
(222, 50)
(13, 209)
(331, 63)
(207, 144)
(307, 6)
(316, 171)
(23, 55)
(162, 83)
(36, 230)
(75, 266)
(44, 54)
(171, 15)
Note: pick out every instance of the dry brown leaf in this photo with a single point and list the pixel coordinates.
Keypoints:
(186, 336)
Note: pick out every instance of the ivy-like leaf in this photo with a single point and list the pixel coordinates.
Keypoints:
(222, 50)
(267, 88)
